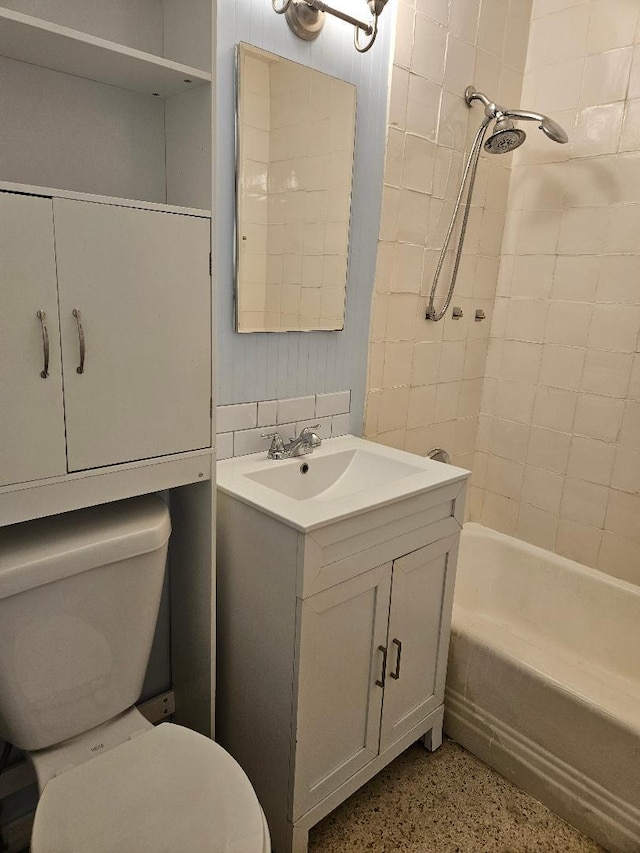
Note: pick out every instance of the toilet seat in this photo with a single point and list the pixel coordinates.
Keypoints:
(165, 791)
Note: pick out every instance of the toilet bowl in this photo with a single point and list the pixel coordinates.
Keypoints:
(79, 596)
(169, 789)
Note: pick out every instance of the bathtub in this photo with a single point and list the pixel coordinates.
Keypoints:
(544, 681)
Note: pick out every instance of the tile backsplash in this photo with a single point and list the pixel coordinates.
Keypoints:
(240, 426)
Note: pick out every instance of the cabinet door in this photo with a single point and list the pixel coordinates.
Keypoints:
(139, 281)
(339, 702)
(32, 444)
(419, 624)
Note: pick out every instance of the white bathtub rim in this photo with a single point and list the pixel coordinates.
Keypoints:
(554, 602)
(565, 790)
(475, 529)
(469, 630)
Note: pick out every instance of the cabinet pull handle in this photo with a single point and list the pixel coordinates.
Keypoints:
(380, 681)
(76, 314)
(396, 674)
(45, 344)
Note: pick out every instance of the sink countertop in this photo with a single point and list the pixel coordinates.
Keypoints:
(235, 478)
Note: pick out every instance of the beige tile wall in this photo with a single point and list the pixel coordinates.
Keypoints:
(425, 379)
(558, 445)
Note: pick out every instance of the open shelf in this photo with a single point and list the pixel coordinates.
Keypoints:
(48, 45)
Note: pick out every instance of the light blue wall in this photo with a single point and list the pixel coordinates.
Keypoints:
(269, 366)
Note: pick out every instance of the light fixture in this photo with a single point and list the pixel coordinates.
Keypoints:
(306, 19)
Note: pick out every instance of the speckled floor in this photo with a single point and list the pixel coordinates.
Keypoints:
(444, 802)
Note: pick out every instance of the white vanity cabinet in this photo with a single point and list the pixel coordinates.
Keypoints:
(332, 647)
(116, 310)
(369, 667)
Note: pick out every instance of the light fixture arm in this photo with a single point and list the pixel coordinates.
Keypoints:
(307, 25)
(324, 7)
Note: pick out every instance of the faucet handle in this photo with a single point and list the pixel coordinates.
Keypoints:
(277, 444)
(314, 440)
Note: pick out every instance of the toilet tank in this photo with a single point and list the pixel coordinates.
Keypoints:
(79, 598)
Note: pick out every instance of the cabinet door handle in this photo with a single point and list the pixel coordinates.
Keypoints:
(380, 681)
(396, 674)
(76, 314)
(45, 344)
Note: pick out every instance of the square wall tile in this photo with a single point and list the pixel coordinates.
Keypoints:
(620, 557)
(607, 373)
(615, 327)
(549, 449)
(500, 513)
(578, 542)
(606, 76)
(630, 427)
(622, 514)
(554, 409)
(591, 460)
(598, 417)
(626, 469)
(584, 502)
(537, 527)
(612, 24)
(543, 489)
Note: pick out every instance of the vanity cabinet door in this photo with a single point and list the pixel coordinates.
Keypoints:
(419, 626)
(339, 705)
(32, 443)
(135, 320)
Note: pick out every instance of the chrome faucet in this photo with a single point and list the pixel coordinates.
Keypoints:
(301, 445)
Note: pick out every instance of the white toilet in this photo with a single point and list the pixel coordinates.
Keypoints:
(79, 597)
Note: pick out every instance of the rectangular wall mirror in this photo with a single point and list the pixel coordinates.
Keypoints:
(295, 146)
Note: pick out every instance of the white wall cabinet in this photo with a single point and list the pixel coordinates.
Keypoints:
(32, 440)
(131, 347)
(139, 282)
(332, 648)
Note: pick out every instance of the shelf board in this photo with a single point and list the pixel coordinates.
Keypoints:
(48, 45)
(48, 192)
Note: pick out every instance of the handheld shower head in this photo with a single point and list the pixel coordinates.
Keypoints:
(553, 130)
(505, 137)
(547, 125)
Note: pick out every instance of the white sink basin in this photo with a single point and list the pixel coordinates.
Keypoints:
(343, 477)
(332, 475)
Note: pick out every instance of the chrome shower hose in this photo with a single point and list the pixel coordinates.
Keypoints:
(469, 173)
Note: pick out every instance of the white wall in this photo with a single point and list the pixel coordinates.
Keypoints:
(270, 366)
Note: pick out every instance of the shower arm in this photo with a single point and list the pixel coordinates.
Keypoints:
(493, 110)
(524, 115)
